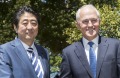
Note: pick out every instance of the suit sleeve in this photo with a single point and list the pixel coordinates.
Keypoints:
(5, 67)
(65, 71)
(118, 60)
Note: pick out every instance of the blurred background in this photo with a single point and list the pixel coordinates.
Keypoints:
(57, 27)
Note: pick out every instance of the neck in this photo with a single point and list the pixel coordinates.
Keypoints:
(28, 42)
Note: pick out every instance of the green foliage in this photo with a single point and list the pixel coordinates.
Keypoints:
(73, 33)
(55, 60)
(110, 21)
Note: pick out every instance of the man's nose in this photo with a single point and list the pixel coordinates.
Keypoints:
(90, 24)
(29, 26)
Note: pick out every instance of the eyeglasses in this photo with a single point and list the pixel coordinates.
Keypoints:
(92, 20)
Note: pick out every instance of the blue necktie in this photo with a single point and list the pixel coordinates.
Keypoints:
(35, 64)
(92, 57)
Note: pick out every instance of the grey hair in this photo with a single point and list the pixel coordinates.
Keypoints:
(83, 7)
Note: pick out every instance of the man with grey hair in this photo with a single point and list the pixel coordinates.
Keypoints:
(93, 56)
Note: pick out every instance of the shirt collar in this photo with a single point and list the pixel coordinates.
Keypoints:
(95, 41)
(26, 46)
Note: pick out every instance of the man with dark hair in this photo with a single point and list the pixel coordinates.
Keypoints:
(93, 56)
(22, 57)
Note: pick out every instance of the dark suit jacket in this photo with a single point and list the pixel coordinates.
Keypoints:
(75, 63)
(14, 61)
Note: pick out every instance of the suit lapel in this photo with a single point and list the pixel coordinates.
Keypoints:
(102, 49)
(80, 52)
(22, 54)
(42, 59)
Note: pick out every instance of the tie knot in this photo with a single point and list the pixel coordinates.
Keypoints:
(30, 50)
(90, 44)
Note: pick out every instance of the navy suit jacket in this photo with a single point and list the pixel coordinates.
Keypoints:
(14, 61)
(75, 63)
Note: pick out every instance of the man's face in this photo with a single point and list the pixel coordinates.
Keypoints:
(88, 23)
(27, 27)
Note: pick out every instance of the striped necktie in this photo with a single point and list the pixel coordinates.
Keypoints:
(35, 64)
(92, 59)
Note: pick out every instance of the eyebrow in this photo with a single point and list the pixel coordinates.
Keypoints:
(34, 20)
(30, 20)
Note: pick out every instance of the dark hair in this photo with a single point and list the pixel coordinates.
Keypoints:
(22, 10)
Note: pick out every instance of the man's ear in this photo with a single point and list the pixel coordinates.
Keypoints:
(77, 25)
(15, 28)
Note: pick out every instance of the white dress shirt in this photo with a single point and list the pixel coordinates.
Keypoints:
(35, 52)
(87, 47)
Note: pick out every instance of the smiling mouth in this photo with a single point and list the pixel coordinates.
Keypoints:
(90, 30)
